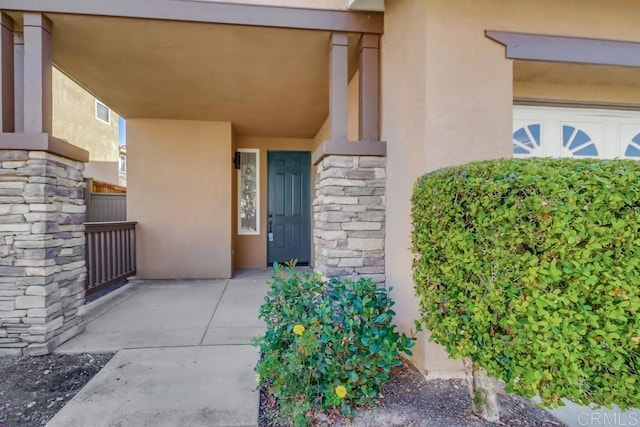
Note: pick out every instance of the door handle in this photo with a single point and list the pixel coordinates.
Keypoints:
(270, 227)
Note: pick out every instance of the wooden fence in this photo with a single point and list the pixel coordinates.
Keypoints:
(103, 206)
(105, 187)
(110, 253)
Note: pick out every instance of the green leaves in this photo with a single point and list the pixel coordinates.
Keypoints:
(349, 340)
(531, 268)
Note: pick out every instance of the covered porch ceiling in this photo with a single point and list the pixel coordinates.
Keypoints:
(266, 81)
(576, 85)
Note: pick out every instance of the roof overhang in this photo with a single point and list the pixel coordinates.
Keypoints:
(585, 72)
(537, 47)
(211, 12)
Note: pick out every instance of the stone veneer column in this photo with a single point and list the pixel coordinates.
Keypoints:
(349, 216)
(42, 261)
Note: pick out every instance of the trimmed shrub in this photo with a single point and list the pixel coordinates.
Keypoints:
(531, 268)
(328, 344)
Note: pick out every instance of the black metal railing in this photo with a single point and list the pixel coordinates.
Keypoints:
(110, 253)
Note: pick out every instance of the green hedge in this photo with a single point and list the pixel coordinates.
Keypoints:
(531, 268)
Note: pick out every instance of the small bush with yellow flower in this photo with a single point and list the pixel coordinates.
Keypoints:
(328, 344)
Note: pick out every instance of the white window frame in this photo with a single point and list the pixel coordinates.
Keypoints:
(108, 112)
(598, 122)
(255, 232)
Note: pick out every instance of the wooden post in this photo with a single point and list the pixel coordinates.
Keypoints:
(7, 96)
(369, 88)
(38, 62)
(18, 79)
(88, 187)
(338, 86)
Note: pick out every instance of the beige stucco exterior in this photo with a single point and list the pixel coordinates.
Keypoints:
(447, 97)
(179, 175)
(404, 103)
(74, 119)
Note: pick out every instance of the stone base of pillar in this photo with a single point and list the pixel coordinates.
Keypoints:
(42, 253)
(349, 217)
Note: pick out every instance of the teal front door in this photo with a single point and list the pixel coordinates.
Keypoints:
(289, 207)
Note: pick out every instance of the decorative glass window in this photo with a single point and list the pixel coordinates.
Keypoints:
(102, 112)
(526, 141)
(577, 143)
(633, 149)
(575, 133)
(249, 192)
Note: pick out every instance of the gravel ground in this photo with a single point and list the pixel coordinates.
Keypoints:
(410, 400)
(34, 389)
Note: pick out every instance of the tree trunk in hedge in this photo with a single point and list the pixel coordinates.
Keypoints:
(483, 392)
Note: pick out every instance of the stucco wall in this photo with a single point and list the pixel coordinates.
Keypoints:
(447, 96)
(103, 171)
(617, 20)
(251, 251)
(179, 175)
(74, 119)
(403, 72)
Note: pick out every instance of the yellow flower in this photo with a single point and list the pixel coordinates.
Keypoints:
(341, 391)
(298, 329)
(322, 278)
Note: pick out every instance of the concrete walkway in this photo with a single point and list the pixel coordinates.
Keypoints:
(184, 355)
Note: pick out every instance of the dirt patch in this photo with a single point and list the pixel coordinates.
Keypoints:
(34, 389)
(410, 400)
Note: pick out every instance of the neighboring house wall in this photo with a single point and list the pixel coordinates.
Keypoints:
(447, 98)
(74, 119)
(180, 193)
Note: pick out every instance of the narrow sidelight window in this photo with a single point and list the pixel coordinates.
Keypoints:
(249, 192)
